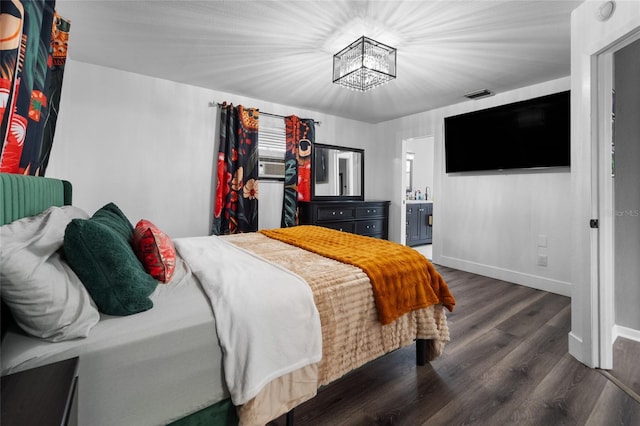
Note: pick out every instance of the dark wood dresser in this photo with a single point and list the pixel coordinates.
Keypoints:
(370, 218)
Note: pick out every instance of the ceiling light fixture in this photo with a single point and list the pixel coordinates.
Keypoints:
(364, 65)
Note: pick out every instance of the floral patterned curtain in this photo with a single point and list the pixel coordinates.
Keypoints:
(33, 50)
(236, 203)
(300, 137)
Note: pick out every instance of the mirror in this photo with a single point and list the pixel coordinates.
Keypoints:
(409, 171)
(338, 173)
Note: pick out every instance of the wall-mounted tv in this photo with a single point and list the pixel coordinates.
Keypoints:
(529, 134)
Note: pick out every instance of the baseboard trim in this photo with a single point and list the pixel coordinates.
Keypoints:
(562, 288)
(575, 344)
(576, 350)
(625, 332)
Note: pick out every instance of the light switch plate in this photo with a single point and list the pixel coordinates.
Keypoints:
(542, 240)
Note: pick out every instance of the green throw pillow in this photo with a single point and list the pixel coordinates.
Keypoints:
(112, 216)
(108, 266)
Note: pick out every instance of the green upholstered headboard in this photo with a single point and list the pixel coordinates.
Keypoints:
(23, 196)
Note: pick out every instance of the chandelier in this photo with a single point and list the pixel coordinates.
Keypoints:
(364, 65)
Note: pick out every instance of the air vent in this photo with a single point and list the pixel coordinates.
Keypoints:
(479, 94)
(271, 168)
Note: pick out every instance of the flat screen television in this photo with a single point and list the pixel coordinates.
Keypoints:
(534, 133)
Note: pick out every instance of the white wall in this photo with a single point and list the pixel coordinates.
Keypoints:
(148, 145)
(270, 204)
(145, 144)
(489, 223)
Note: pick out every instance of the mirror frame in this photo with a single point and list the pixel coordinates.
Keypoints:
(315, 197)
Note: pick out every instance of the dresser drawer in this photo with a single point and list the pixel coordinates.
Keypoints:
(368, 218)
(370, 212)
(370, 227)
(340, 226)
(336, 213)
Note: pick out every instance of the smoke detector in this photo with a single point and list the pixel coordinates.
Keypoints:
(605, 10)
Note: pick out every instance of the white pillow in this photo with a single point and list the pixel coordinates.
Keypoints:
(46, 297)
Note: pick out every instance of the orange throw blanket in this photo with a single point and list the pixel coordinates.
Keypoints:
(402, 279)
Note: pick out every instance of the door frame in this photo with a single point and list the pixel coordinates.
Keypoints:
(403, 181)
(606, 199)
(594, 39)
(402, 191)
(604, 193)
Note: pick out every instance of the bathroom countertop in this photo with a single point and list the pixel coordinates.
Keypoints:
(418, 201)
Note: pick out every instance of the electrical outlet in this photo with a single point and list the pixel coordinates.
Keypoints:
(542, 260)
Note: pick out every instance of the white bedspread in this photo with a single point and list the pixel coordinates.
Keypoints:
(266, 319)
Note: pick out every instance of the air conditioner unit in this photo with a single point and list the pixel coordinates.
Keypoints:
(271, 168)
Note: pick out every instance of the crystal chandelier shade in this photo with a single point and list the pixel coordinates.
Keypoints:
(364, 65)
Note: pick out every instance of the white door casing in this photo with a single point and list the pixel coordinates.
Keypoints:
(593, 42)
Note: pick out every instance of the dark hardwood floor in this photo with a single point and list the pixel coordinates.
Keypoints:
(507, 364)
(626, 365)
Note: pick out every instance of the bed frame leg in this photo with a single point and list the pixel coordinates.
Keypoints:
(421, 351)
(290, 418)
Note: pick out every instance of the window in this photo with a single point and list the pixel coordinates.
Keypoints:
(271, 147)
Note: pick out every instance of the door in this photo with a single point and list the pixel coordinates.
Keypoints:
(426, 222)
(626, 192)
(413, 224)
(618, 196)
(423, 223)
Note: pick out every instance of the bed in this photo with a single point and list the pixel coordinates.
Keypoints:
(170, 363)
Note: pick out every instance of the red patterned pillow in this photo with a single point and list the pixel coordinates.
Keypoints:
(155, 250)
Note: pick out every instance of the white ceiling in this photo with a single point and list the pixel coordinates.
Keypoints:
(282, 51)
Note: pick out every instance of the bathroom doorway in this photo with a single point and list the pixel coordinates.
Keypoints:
(619, 178)
(417, 194)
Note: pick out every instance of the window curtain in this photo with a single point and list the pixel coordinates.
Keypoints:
(33, 51)
(236, 203)
(300, 137)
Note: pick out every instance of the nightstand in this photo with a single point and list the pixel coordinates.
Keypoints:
(39, 396)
